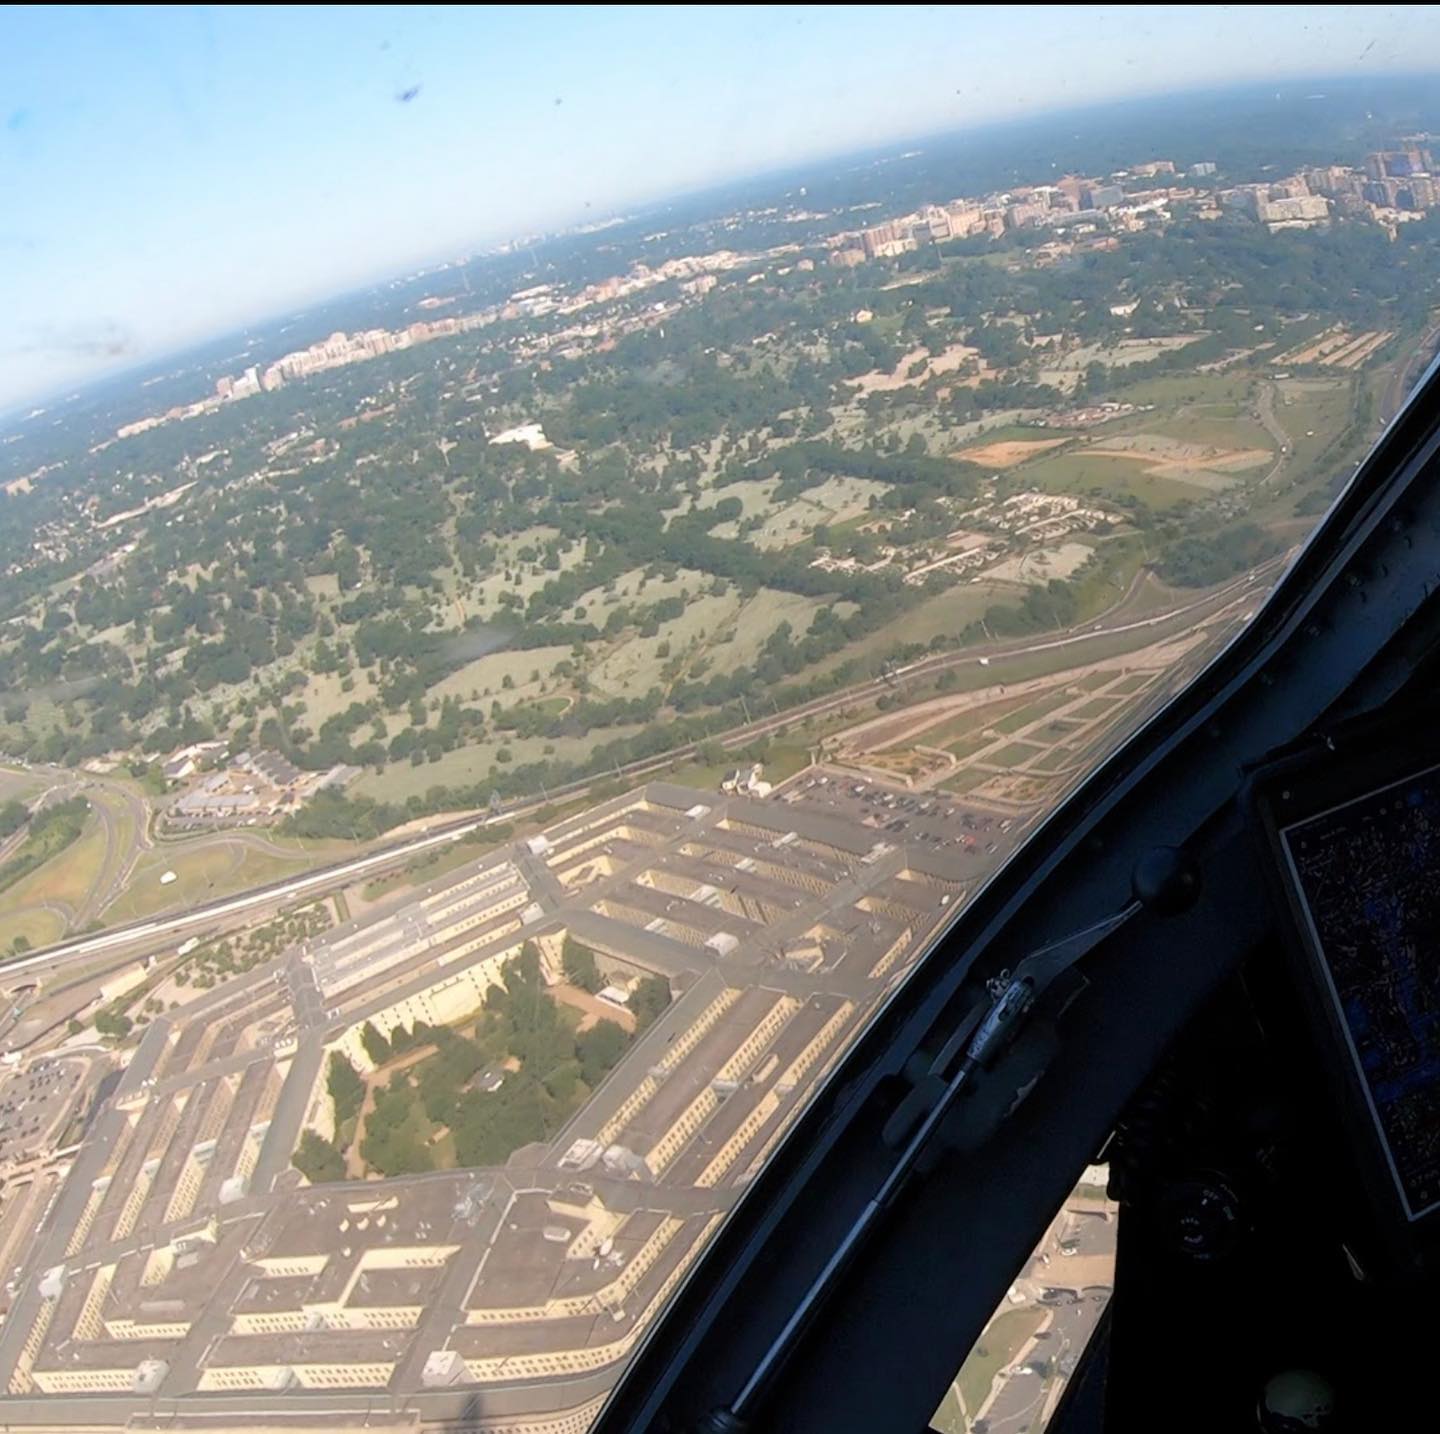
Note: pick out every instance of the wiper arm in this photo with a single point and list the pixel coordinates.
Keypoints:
(1165, 882)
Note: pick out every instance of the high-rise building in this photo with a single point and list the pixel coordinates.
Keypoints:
(1297, 209)
(1398, 163)
(885, 241)
(964, 219)
(1102, 196)
(1292, 188)
(1420, 191)
(1020, 216)
(936, 222)
(1384, 192)
(1204, 167)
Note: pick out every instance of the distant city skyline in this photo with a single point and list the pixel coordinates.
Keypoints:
(169, 175)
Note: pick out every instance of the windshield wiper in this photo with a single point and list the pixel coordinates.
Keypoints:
(921, 1128)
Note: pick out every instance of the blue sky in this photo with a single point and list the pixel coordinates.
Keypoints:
(168, 173)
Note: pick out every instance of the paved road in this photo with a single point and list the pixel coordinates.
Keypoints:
(1265, 411)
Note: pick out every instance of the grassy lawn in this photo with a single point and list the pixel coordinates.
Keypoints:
(1173, 390)
(1031, 712)
(69, 877)
(1132, 684)
(484, 677)
(1000, 1342)
(1014, 754)
(1220, 426)
(946, 614)
(966, 781)
(37, 926)
(972, 723)
(1106, 476)
(1312, 418)
(968, 746)
(202, 873)
(467, 765)
(18, 784)
(65, 880)
(782, 761)
(310, 849)
(1099, 707)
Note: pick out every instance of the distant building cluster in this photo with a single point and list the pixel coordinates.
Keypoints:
(249, 789)
(1391, 188)
(1073, 200)
(696, 276)
(1288, 204)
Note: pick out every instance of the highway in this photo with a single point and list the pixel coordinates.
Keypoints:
(322, 880)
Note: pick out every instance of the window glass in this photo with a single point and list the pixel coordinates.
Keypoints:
(1013, 1378)
(545, 555)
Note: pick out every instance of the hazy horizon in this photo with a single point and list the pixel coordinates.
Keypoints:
(254, 163)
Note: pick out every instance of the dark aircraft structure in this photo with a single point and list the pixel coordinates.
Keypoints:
(1214, 968)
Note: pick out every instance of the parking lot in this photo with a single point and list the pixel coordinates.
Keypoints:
(926, 818)
(32, 1103)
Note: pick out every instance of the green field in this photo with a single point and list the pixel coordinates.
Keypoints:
(972, 723)
(1175, 390)
(967, 746)
(1127, 686)
(202, 873)
(61, 885)
(15, 783)
(1221, 425)
(1313, 418)
(966, 780)
(1106, 476)
(1031, 712)
(468, 765)
(1013, 433)
(999, 1343)
(37, 925)
(947, 614)
(1014, 754)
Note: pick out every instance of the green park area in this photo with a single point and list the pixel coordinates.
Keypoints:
(473, 1094)
(204, 870)
(46, 879)
(1113, 476)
